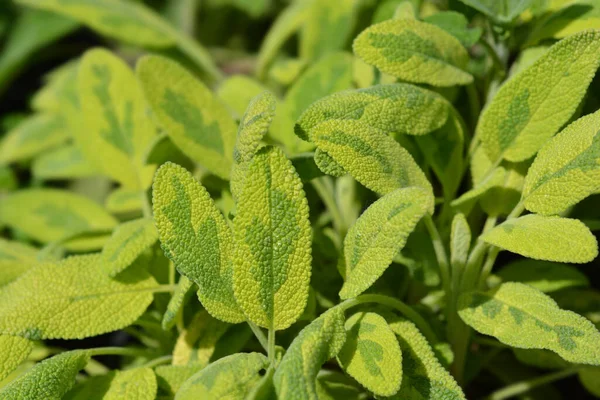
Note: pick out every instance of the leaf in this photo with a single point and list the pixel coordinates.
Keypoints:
(523, 317)
(414, 51)
(567, 168)
(423, 377)
(457, 25)
(229, 378)
(285, 71)
(170, 378)
(379, 234)
(119, 130)
(176, 302)
(73, 299)
(66, 162)
(132, 384)
(127, 242)
(370, 156)
(530, 107)
(34, 135)
(49, 380)
(590, 379)
(15, 259)
(195, 236)
(272, 262)
(460, 242)
(371, 354)
(585, 302)
(48, 215)
(59, 87)
(237, 91)
(14, 350)
(326, 76)
(335, 385)
(570, 19)
(545, 238)
(545, 276)
(196, 344)
(318, 342)
(502, 12)
(543, 359)
(123, 200)
(253, 126)
(187, 110)
(327, 164)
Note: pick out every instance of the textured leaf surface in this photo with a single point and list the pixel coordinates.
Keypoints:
(14, 350)
(567, 168)
(502, 11)
(423, 377)
(253, 126)
(73, 299)
(132, 384)
(66, 162)
(460, 241)
(455, 24)
(114, 110)
(229, 378)
(170, 378)
(194, 234)
(414, 51)
(273, 243)
(530, 107)
(48, 380)
(196, 344)
(545, 276)
(127, 242)
(176, 302)
(123, 200)
(318, 342)
(572, 18)
(370, 156)
(379, 234)
(238, 91)
(523, 317)
(198, 123)
(50, 214)
(371, 354)
(15, 259)
(545, 238)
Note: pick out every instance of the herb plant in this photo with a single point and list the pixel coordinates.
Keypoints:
(389, 206)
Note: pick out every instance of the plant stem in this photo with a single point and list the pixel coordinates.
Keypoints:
(496, 61)
(271, 346)
(158, 361)
(329, 199)
(524, 386)
(259, 335)
(474, 105)
(440, 253)
(146, 208)
(118, 351)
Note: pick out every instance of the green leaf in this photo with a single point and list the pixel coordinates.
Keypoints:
(570, 19)
(14, 350)
(585, 302)
(131, 384)
(176, 302)
(114, 110)
(123, 200)
(318, 342)
(524, 317)
(60, 87)
(229, 378)
(545, 276)
(423, 377)
(34, 135)
(543, 359)
(333, 385)
(460, 242)
(501, 11)
(73, 299)
(196, 344)
(237, 92)
(369, 155)
(567, 168)
(170, 378)
(253, 126)
(326, 76)
(48, 215)
(327, 164)
(48, 380)
(379, 234)
(194, 234)
(530, 107)
(590, 379)
(414, 51)
(197, 122)
(285, 71)
(273, 243)
(371, 354)
(545, 238)
(66, 162)
(457, 25)
(127, 242)
(15, 259)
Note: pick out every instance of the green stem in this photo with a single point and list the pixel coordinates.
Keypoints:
(474, 105)
(496, 61)
(118, 351)
(158, 361)
(262, 339)
(271, 346)
(329, 199)
(440, 253)
(519, 388)
(146, 208)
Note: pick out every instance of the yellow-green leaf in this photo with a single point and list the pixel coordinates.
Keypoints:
(114, 110)
(131, 384)
(371, 354)
(196, 343)
(176, 302)
(379, 234)
(170, 378)
(66, 162)
(501, 11)
(48, 215)
(545, 276)
(460, 242)
(14, 350)
(530, 107)
(73, 299)
(123, 200)
(567, 168)
(127, 242)
(197, 122)
(273, 242)
(51, 379)
(572, 18)
(369, 155)
(414, 51)
(194, 234)
(59, 85)
(523, 317)
(253, 126)
(455, 24)
(229, 378)
(15, 259)
(318, 342)
(237, 91)
(545, 238)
